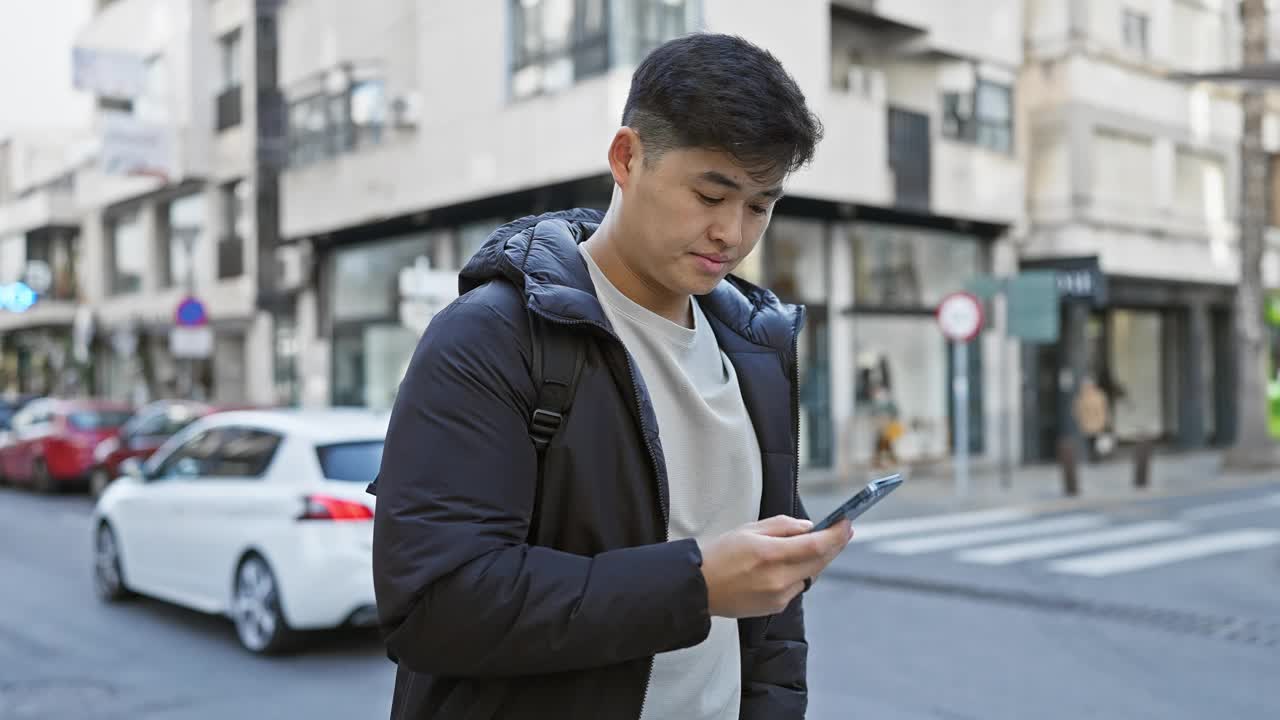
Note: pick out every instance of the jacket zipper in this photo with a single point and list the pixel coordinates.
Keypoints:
(648, 446)
(795, 409)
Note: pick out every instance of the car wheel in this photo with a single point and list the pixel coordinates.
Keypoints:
(98, 482)
(108, 579)
(255, 609)
(41, 478)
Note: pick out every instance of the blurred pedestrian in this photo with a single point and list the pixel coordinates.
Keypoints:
(587, 506)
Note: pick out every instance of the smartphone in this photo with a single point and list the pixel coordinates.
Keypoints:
(866, 498)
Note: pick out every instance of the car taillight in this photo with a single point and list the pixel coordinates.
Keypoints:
(327, 507)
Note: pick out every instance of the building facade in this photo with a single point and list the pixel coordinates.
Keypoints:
(39, 261)
(167, 203)
(1133, 194)
(917, 189)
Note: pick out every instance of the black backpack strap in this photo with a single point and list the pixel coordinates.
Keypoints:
(557, 362)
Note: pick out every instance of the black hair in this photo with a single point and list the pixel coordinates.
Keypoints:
(721, 92)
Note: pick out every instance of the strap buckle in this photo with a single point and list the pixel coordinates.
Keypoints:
(543, 427)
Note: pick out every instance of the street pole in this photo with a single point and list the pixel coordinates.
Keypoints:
(960, 386)
(189, 364)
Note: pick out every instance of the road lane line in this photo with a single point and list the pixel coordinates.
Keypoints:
(1037, 549)
(950, 541)
(866, 532)
(1148, 556)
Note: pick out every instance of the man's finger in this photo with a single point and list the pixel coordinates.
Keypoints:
(782, 526)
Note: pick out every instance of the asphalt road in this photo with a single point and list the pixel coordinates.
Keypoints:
(906, 625)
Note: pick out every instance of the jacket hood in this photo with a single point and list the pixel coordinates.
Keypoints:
(539, 254)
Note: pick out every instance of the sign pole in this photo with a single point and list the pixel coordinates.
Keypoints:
(960, 316)
(960, 386)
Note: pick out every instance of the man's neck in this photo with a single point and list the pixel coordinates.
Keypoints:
(603, 246)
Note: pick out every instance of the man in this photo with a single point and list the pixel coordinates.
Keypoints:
(624, 571)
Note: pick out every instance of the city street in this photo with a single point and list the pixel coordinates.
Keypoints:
(1165, 608)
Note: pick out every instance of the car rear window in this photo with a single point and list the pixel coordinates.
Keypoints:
(351, 461)
(97, 419)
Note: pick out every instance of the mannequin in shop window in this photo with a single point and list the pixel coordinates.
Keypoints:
(876, 392)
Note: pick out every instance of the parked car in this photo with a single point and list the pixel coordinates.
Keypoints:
(258, 515)
(10, 404)
(51, 441)
(145, 432)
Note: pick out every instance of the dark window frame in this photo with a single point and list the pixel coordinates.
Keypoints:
(1135, 31)
(589, 49)
(231, 243)
(338, 129)
(979, 126)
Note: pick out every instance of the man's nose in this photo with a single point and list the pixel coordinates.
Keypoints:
(727, 229)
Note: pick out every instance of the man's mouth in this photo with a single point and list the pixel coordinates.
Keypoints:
(712, 263)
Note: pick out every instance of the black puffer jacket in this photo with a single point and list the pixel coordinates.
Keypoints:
(487, 621)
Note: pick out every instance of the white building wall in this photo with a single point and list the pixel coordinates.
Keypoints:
(490, 144)
(186, 34)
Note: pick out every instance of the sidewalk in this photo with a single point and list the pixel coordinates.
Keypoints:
(932, 490)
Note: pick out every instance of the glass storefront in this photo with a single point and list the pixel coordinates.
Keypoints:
(793, 261)
(902, 364)
(371, 346)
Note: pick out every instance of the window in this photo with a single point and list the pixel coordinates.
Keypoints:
(244, 453)
(907, 268)
(229, 54)
(128, 251)
(556, 43)
(368, 112)
(351, 462)
(1134, 31)
(161, 423)
(308, 131)
(54, 251)
(191, 459)
(366, 277)
(153, 105)
(796, 251)
(325, 124)
(984, 117)
(97, 419)
(228, 103)
(235, 228)
(184, 222)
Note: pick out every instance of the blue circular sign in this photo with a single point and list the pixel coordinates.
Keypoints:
(191, 313)
(17, 297)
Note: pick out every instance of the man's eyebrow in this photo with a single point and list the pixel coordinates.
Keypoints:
(725, 181)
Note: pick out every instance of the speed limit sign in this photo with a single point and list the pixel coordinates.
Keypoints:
(960, 317)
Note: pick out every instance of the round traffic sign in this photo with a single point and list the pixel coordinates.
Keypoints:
(190, 313)
(960, 316)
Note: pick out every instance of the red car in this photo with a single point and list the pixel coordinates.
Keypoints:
(142, 435)
(51, 442)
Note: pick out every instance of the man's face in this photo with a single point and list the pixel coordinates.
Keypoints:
(690, 217)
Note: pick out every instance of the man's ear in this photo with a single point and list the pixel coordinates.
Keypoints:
(625, 155)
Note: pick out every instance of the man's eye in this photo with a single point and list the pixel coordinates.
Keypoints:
(709, 200)
(759, 209)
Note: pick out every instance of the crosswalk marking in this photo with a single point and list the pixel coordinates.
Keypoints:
(865, 532)
(1037, 549)
(949, 541)
(1235, 507)
(1146, 556)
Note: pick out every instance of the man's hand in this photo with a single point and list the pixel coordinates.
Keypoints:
(759, 568)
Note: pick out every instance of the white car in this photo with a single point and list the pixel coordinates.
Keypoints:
(259, 515)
